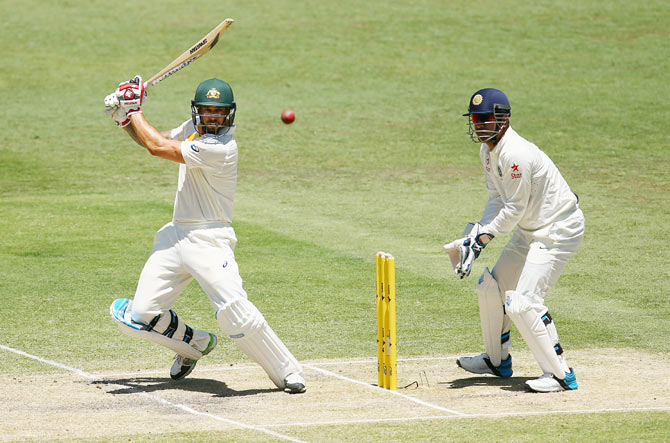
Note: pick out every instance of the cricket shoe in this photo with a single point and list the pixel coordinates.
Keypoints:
(294, 383)
(481, 364)
(183, 366)
(550, 383)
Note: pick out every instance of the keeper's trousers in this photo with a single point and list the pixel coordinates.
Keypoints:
(532, 261)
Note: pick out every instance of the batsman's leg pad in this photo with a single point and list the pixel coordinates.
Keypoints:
(166, 330)
(492, 316)
(527, 316)
(246, 326)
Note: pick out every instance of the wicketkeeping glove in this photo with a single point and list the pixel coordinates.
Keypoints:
(470, 250)
(464, 251)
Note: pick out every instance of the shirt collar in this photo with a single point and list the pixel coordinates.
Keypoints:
(501, 144)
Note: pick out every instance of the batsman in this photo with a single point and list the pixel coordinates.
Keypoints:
(199, 241)
(526, 192)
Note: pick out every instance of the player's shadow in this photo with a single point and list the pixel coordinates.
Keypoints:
(513, 384)
(153, 384)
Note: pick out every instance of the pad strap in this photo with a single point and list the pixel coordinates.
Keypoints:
(120, 312)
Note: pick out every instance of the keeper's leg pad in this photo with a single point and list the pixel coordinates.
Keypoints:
(166, 330)
(528, 319)
(246, 326)
(492, 316)
(553, 335)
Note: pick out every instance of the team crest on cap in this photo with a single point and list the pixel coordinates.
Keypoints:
(477, 100)
(213, 93)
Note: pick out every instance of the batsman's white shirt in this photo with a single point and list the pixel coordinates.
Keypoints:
(206, 186)
(199, 241)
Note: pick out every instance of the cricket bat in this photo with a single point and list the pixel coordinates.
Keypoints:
(200, 48)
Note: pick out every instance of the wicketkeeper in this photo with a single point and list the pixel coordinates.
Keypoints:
(199, 241)
(526, 192)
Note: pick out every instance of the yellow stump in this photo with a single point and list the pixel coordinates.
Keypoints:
(386, 322)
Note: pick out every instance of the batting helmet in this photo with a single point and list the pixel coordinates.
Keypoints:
(213, 92)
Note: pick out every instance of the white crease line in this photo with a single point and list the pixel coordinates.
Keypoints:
(360, 421)
(408, 397)
(466, 416)
(49, 362)
(153, 397)
(202, 368)
(356, 362)
(164, 372)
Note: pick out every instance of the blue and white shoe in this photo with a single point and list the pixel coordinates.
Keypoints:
(481, 364)
(551, 383)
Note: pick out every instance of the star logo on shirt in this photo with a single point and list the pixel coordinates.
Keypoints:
(515, 167)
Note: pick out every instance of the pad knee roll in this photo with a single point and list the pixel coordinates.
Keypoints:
(246, 326)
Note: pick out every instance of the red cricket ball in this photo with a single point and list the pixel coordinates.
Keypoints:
(287, 116)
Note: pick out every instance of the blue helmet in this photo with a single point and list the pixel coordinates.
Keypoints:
(493, 106)
(489, 101)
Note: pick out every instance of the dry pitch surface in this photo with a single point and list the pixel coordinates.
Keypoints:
(75, 404)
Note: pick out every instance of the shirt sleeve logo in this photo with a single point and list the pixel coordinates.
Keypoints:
(194, 148)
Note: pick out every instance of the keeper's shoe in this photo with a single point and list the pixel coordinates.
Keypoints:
(183, 366)
(481, 364)
(550, 383)
(294, 383)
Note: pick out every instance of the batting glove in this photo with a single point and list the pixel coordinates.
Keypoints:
(113, 109)
(131, 95)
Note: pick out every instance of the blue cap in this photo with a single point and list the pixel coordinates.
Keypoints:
(489, 101)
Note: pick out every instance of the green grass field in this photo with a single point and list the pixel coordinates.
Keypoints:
(377, 159)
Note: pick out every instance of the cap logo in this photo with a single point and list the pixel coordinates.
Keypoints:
(213, 93)
(477, 100)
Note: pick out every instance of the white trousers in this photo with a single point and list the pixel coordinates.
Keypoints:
(182, 252)
(527, 269)
(532, 262)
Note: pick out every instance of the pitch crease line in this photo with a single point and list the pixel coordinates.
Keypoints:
(246, 367)
(184, 408)
(407, 397)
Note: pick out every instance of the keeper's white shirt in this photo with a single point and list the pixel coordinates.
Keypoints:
(525, 188)
(207, 180)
